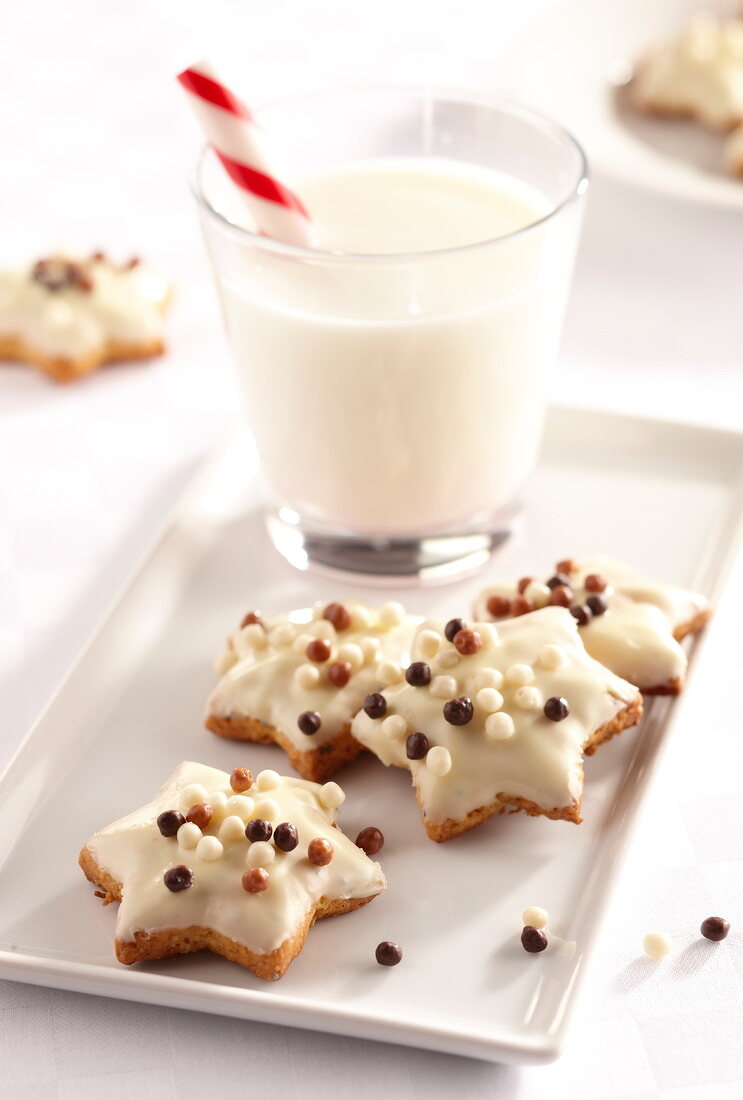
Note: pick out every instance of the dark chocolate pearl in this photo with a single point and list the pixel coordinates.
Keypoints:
(715, 928)
(370, 840)
(178, 878)
(556, 708)
(375, 705)
(582, 614)
(388, 953)
(319, 650)
(418, 674)
(258, 829)
(597, 604)
(252, 617)
(561, 596)
(458, 712)
(170, 822)
(467, 642)
(453, 627)
(339, 673)
(286, 837)
(499, 606)
(309, 722)
(557, 579)
(416, 746)
(533, 939)
(594, 582)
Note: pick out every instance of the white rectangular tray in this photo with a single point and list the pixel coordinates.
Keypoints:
(665, 497)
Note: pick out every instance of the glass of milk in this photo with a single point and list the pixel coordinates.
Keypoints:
(396, 376)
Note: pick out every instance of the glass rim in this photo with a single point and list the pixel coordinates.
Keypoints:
(305, 253)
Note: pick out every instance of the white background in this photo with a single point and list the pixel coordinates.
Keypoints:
(97, 144)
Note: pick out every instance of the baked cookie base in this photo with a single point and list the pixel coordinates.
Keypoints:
(148, 946)
(65, 369)
(315, 764)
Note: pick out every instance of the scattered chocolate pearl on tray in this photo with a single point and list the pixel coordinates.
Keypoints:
(388, 953)
(535, 917)
(309, 722)
(715, 928)
(656, 945)
(533, 939)
(178, 878)
(241, 780)
(370, 840)
(169, 822)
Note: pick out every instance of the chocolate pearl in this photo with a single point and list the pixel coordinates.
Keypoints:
(558, 578)
(594, 582)
(133, 261)
(200, 814)
(375, 705)
(388, 953)
(252, 617)
(522, 605)
(309, 722)
(370, 840)
(319, 851)
(255, 881)
(285, 836)
(319, 650)
(715, 928)
(597, 604)
(178, 878)
(458, 712)
(98, 257)
(556, 708)
(524, 584)
(562, 596)
(258, 829)
(467, 642)
(567, 566)
(453, 627)
(336, 614)
(418, 674)
(241, 780)
(498, 606)
(340, 673)
(416, 746)
(170, 822)
(582, 614)
(533, 939)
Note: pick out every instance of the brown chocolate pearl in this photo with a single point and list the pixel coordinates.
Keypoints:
(255, 881)
(200, 814)
(524, 584)
(416, 746)
(336, 614)
(319, 650)
(715, 928)
(567, 566)
(319, 851)
(498, 606)
(370, 840)
(467, 642)
(388, 953)
(133, 261)
(522, 605)
(252, 617)
(562, 596)
(340, 673)
(453, 627)
(594, 582)
(533, 939)
(241, 780)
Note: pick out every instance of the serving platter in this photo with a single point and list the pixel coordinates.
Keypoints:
(666, 497)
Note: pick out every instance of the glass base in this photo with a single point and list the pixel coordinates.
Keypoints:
(421, 559)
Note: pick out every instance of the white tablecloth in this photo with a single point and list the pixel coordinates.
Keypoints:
(97, 145)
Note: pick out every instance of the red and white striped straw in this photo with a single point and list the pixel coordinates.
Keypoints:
(236, 138)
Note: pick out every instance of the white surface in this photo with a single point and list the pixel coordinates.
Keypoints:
(86, 474)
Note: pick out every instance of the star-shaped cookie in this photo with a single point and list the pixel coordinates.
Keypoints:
(495, 717)
(631, 624)
(298, 680)
(238, 866)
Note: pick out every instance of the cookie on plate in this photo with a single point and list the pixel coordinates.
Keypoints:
(491, 718)
(298, 680)
(69, 316)
(238, 866)
(631, 624)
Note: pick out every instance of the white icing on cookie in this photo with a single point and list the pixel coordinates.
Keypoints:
(514, 750)
(272, 679)
(135, 853)
(635, 635)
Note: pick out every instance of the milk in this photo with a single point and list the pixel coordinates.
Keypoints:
(399, 388)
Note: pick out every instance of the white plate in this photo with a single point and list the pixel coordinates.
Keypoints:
(565, 66)
(664, 496)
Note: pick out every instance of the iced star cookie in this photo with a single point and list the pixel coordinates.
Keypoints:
(69, 316)
(238, 866)
(298, 680)
(631, 624)
(493, 718)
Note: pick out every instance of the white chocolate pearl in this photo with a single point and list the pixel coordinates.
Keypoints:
(361, 618)
(282, 635)
(552, 656)
(394, 726)
(520, 675)
(267, 808)
(447, 659)
(499, 726)
(231, 829)
(428, 643)
(488, 634)
(332, 796)
(322, 628)
(370, 647)
(317, 609)
(656, 945)
(188, 835)
(241, 805)
(488, 678)
(438, 760)
(443, 687)
(260, 853)
(225, 661)
(535, 916)
(300, 643)
(489, 699)
(307, 676)
(218, 803)
(267, 780)
(538, 593)
(352, 653)
(255, 636)
(192, 794)
(388, 673)
(391, 614)
(209, 848)
(528, 698)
